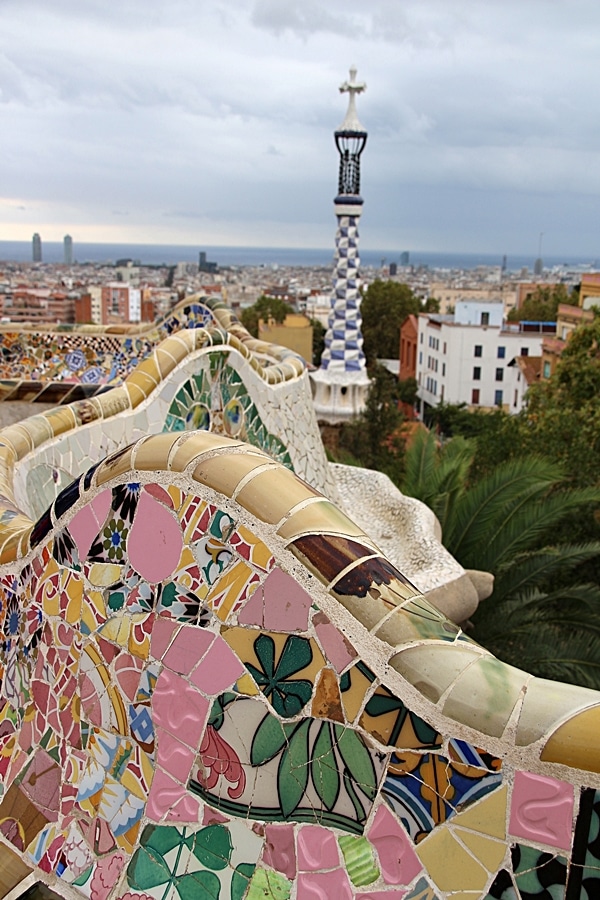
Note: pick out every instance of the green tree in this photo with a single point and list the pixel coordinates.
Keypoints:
(265, 308)
(385, 306)
(318, 340)
(407, 390)
(540, 616)
(542, 304)
(563, 413)
(373, 438)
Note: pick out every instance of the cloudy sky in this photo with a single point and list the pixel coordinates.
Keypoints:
(210, 121)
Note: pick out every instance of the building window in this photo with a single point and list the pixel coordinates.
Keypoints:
(476, 373)
(444, 346)
(498, 398)
(516, 397)
(421, 337)
(475, 396)
(485, 318)
(547, 368)
(420, 357)
(524, 351)
(478, 350)
(501, 352)
(443, 368)
(499, 374)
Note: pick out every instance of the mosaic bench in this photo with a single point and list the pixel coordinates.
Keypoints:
(216, 685)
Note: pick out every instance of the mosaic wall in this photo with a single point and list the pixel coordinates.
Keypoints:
(213, 685)
(98, 355)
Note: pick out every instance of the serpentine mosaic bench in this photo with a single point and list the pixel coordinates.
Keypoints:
(216, 685)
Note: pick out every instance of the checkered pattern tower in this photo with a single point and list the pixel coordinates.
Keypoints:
(340, 386)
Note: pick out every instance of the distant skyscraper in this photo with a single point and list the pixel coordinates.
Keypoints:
(37, 248)
(68, 249)
(341, 384)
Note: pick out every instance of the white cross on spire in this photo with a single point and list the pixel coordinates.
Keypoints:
(352, 87)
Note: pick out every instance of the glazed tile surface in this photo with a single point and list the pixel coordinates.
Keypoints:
(215, 685)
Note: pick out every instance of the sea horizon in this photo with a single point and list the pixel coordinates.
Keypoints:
(231, 256)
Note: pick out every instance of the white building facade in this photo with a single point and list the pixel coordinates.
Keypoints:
(465, 358)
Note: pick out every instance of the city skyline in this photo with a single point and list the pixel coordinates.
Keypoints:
(212, 125)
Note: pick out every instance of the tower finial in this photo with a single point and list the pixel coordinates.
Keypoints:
(352, 87)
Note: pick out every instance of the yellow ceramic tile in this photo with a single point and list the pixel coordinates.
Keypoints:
(10, 546)
(271, 494)
(327, 701)
(383, 727)
(116, 629)
(432, 668)
(17, 440)
(223, 473)
(320, 516)
(113, 402)
(153, 453)
(104, 574)
(74, 591)
(230, 589)
(139, 385)
(176, 495)
(354, 697)
(484, 697)
(260, 555)
(546, 703)
(194, 445)
(246, 685)
(118, 464)
(448, 864)
(258, 648)
(488, 816)
(93, 609)
(575, 742)
(486, 850)
(61, 420)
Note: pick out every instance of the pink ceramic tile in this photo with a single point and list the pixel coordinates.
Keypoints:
(189, 646)
(162, 634)
(155, 541)
(399, 862)
(106, 874)
(286, 603)
(279, 852)
(213, 817)
(317, 849)
(383, 895)
(337, 649)
(169, 799)
(85, 525)
(324, 886)
(179, 708)
(218, 670)
(542, 810)
(173, 756)
(128, 670)
(252, 613)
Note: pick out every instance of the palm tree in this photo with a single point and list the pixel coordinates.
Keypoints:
(538, 617)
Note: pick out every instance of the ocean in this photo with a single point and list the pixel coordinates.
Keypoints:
(164, 254)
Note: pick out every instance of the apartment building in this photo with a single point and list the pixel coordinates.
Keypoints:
(466, 357)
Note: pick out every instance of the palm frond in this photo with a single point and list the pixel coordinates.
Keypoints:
(494, 497)
(535, 568)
